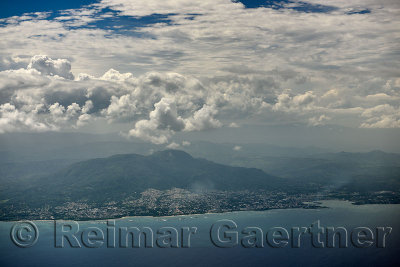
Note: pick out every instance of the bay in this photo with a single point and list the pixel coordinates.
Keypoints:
(203, 252)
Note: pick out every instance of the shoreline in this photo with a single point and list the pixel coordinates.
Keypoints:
(320, 204)
(157, 217)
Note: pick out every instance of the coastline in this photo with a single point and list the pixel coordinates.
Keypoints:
(319, 205)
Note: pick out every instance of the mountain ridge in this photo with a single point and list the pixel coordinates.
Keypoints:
(130, 174)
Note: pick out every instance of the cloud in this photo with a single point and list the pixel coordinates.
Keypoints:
(321, 120)
(48, 66)
(327, 47)
(186, 143)
(163, 122)
(288, 102)
(166, 117)
(11, 119)
(158, 105)
(184, 70)
(151, 101)
(120, 108)
(382, 116)
(337, 66)
(173, 145)
(203, 119)
(237, 148)
(146, 8)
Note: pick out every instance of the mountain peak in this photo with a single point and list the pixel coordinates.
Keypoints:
(172, 154)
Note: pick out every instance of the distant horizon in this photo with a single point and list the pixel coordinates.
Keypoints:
(365, 143)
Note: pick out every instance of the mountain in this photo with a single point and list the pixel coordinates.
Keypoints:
(130, 174)
(375, 170)
(370, 171)
(173, 182)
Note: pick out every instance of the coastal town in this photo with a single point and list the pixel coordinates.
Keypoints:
(177, 201)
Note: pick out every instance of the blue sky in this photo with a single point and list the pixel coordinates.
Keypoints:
(152, 69)
(10, 8)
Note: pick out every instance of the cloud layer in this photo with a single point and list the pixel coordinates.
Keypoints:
(201, 65)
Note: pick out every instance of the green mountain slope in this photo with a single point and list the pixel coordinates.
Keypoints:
(124, 175)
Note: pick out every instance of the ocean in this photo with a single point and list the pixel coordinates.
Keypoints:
(213, 239)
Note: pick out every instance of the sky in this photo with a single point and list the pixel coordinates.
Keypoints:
(154, 70)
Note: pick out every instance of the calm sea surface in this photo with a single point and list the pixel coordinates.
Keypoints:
(203, 252)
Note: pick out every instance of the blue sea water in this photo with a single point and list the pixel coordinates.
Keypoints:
(203, 252)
